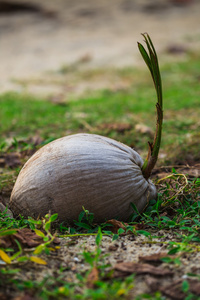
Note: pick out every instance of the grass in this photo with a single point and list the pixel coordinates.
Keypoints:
(177, 210)
(23, 116)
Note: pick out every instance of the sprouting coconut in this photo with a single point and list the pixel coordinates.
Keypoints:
(91, 171)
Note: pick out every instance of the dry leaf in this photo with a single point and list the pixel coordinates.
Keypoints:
(5, 257)
(92, 278)
(174, 290)
(113, 247)
(25, 236)
(116, 225)
(138, 268)
(28, 238)
(38, 260)
(153, 258)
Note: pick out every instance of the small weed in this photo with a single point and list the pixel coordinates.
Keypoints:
(156, 296)
(48, 238)
(85, 221)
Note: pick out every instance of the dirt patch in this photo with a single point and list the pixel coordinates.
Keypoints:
(124, 256)
(40, 37)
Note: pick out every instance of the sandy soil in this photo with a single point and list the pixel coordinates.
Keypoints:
(37, 37)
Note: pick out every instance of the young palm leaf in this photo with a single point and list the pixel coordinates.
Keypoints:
(151, 60)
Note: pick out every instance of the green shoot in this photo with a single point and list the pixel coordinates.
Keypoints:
(152, 62)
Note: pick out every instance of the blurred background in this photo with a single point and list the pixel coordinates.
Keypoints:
(74, 66)
(38, 38)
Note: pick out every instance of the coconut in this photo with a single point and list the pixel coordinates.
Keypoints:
(82, 170)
